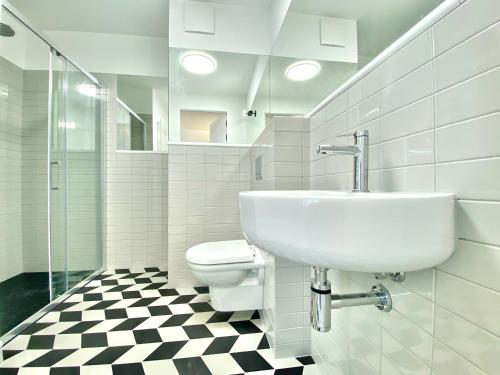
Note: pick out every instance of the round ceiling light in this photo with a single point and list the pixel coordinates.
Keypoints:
(200, 63)
(303, 70)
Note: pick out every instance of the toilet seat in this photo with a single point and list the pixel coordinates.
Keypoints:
(233, 271)
(221, 252)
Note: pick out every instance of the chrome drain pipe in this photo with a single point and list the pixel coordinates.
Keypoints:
(323, 301)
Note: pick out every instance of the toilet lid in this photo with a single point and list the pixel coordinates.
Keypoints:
(220, 252)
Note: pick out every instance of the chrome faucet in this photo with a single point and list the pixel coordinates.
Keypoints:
(360, 153)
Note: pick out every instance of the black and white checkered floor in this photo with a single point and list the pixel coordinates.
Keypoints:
(127, 322)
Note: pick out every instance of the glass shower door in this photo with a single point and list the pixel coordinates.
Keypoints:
(83, 176)
(57, 176)
(75, 176)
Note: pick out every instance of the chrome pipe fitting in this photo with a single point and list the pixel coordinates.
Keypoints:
(321, 297)
(323, 301)
(397, 277)
(378, 296)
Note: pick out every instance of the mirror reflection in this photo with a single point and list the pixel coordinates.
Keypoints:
(337, 38)
(217, 97)
(313, 48)
(141, 108)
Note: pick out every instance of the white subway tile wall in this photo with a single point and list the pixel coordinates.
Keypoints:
(433, 111)
(286, 284)
(11, 171)
(136, 200)
(34, 175)
(203, 203)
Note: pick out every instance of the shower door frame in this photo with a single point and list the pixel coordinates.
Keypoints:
(54, 302)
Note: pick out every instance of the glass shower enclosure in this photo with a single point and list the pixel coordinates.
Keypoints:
(51, 162)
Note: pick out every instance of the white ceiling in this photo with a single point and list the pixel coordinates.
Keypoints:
(246, 3)
(380, 22)
(131, 17)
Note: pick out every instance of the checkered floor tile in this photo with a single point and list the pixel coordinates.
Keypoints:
(130, 322)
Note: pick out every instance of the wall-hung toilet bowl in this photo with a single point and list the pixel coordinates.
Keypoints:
(233, 271)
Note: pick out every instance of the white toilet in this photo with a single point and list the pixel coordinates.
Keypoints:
(233, 271)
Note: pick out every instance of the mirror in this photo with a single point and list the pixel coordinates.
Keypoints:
(203, 126)
(322, 43)
(141, 110)
(255, 60)
(217, 97)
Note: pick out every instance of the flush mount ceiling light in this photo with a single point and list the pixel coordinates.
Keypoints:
(87, 89)
(200, 63)
(303, 70)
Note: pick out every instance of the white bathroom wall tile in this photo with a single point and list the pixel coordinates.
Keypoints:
(475, 262)
(329, 129)
(288, 124)
(476, 179)
(361, 324)
(365, 111)
(364, 356)
(414, 118)
(475, 344)
(336, 107)
(412, 150)
(465, 162)
(412, 306)
(408, 89)
(410, 57)
(332, 182)
(448, 362)
(469, 99)
(482, 307)
(402, 358)
(288, 154)
(477, 221)
(411, 336)
(476, 138)
(293, 350)
(419, 178)
(290, 139)
(452, 29)
(289, 335)
(472, 57)
(314, 121)
(203, 202)
(292, 320)
(365, 87)
(288, 169)
(387, 367)
(421, 282)
(289, 305)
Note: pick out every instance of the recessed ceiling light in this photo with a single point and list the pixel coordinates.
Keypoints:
(200, 63)
(87, 89)
(303, 70)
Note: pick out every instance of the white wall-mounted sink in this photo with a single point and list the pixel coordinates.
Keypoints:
(365, 232)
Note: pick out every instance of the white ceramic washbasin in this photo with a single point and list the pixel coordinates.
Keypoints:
(365, 232)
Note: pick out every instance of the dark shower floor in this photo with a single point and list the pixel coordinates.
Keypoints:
(23, 295)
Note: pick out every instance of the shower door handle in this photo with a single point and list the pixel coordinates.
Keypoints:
(52, 165)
